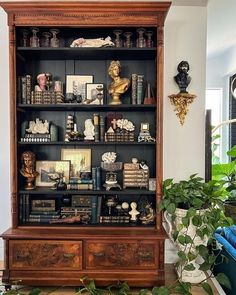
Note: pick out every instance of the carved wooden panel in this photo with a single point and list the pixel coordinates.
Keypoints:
(121, 254)
(45, 254)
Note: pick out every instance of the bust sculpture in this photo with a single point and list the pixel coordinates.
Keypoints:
(41, 80)
(119, 85)
(134, 212)
(28, 169)
(182, 78)
(89, 130)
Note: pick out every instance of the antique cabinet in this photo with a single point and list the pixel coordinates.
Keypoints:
(38, 252)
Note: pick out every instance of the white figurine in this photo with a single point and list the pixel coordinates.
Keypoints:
(134, 212)
(98, 42)
(38, 127)
(89, 130)
(109, 157)
(42, 80)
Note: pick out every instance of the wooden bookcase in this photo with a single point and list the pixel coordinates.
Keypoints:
(46, 254)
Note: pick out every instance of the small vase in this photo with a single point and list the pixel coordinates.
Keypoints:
(54, 41)
(118, 41)
(128, 42)
(149, 38)
(34, 40)
(45, 41)
(141, 42)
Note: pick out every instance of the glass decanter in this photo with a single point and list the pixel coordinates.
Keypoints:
(54, 41)
(24, 42)
(34, 39)
(118, 41)
(45, 41)
(128, 42)
(141, 42)
(149, 38)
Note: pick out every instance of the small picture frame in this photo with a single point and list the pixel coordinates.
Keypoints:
(94, 93)
(80, 160)
(47, 168)
(144, 127)
(76, 84)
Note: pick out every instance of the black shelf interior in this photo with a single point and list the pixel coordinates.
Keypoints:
(85, 143)
(102, 53)
(86, 108)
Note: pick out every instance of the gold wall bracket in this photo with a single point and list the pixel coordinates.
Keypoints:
(181, 102)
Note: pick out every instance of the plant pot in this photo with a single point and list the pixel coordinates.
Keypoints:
(230, 209)
(172, 224)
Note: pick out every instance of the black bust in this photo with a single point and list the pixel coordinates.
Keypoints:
(182, 78)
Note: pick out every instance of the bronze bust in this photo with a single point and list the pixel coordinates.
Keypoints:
(182, 78)
(28, 169)
(119, 85)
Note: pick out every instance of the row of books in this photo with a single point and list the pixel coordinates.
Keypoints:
(137, 82)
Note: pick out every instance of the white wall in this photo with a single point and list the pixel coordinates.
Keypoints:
(185, 39)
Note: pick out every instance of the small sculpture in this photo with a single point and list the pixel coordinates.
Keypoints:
(28, 169)
(98, 42)
(89, 130)
(149, 215)
(125, 124)
(134, 212)
(119, 85)
(109, 157)
(42, 81)
(38, 127)
(182, 78)
(183, 99)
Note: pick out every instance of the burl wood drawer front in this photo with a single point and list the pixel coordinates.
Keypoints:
(128, 255)
(37, 254)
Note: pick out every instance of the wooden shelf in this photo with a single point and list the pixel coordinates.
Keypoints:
(48, 191)
(88, 108)
(102, 53)
(86, 143)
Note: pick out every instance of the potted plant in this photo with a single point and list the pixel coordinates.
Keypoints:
(226, 173)
(193, 210)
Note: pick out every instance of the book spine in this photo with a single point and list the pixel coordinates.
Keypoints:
(28, 89)
(19, 89)
(94, 177)
(98, 178)
(27, 208)
(94, 203)
(23, 90)
(99, 208)
(96, 127)
(134, 79)
(102, 128)
(140, 89)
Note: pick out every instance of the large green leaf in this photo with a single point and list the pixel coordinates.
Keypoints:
(232, 152)
(160, 291)
(223, 280)
(223, 169)
(207, 288)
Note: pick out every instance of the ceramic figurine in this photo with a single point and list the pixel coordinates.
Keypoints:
(89, 130)
(134, 212)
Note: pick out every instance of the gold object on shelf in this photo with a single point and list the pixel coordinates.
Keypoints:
(119, 85)
(181, 102)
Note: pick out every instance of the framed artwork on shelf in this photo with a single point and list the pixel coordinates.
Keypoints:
(94, 93)
(80, 160)
(49, 171)
(76, 84)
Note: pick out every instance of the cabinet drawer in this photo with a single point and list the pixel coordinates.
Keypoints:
(129, 255)
(45, 254)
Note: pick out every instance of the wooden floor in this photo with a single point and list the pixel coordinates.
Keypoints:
(170, 277)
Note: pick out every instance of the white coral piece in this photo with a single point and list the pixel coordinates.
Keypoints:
(109, 157)
(125, 124)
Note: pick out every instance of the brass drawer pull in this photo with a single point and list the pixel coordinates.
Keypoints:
(99, 254)
(68, 255)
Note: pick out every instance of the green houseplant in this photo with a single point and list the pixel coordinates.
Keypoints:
(193, 210)
(226, 173)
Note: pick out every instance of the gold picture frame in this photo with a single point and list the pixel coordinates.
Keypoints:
(80, 160)
(44, 168)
